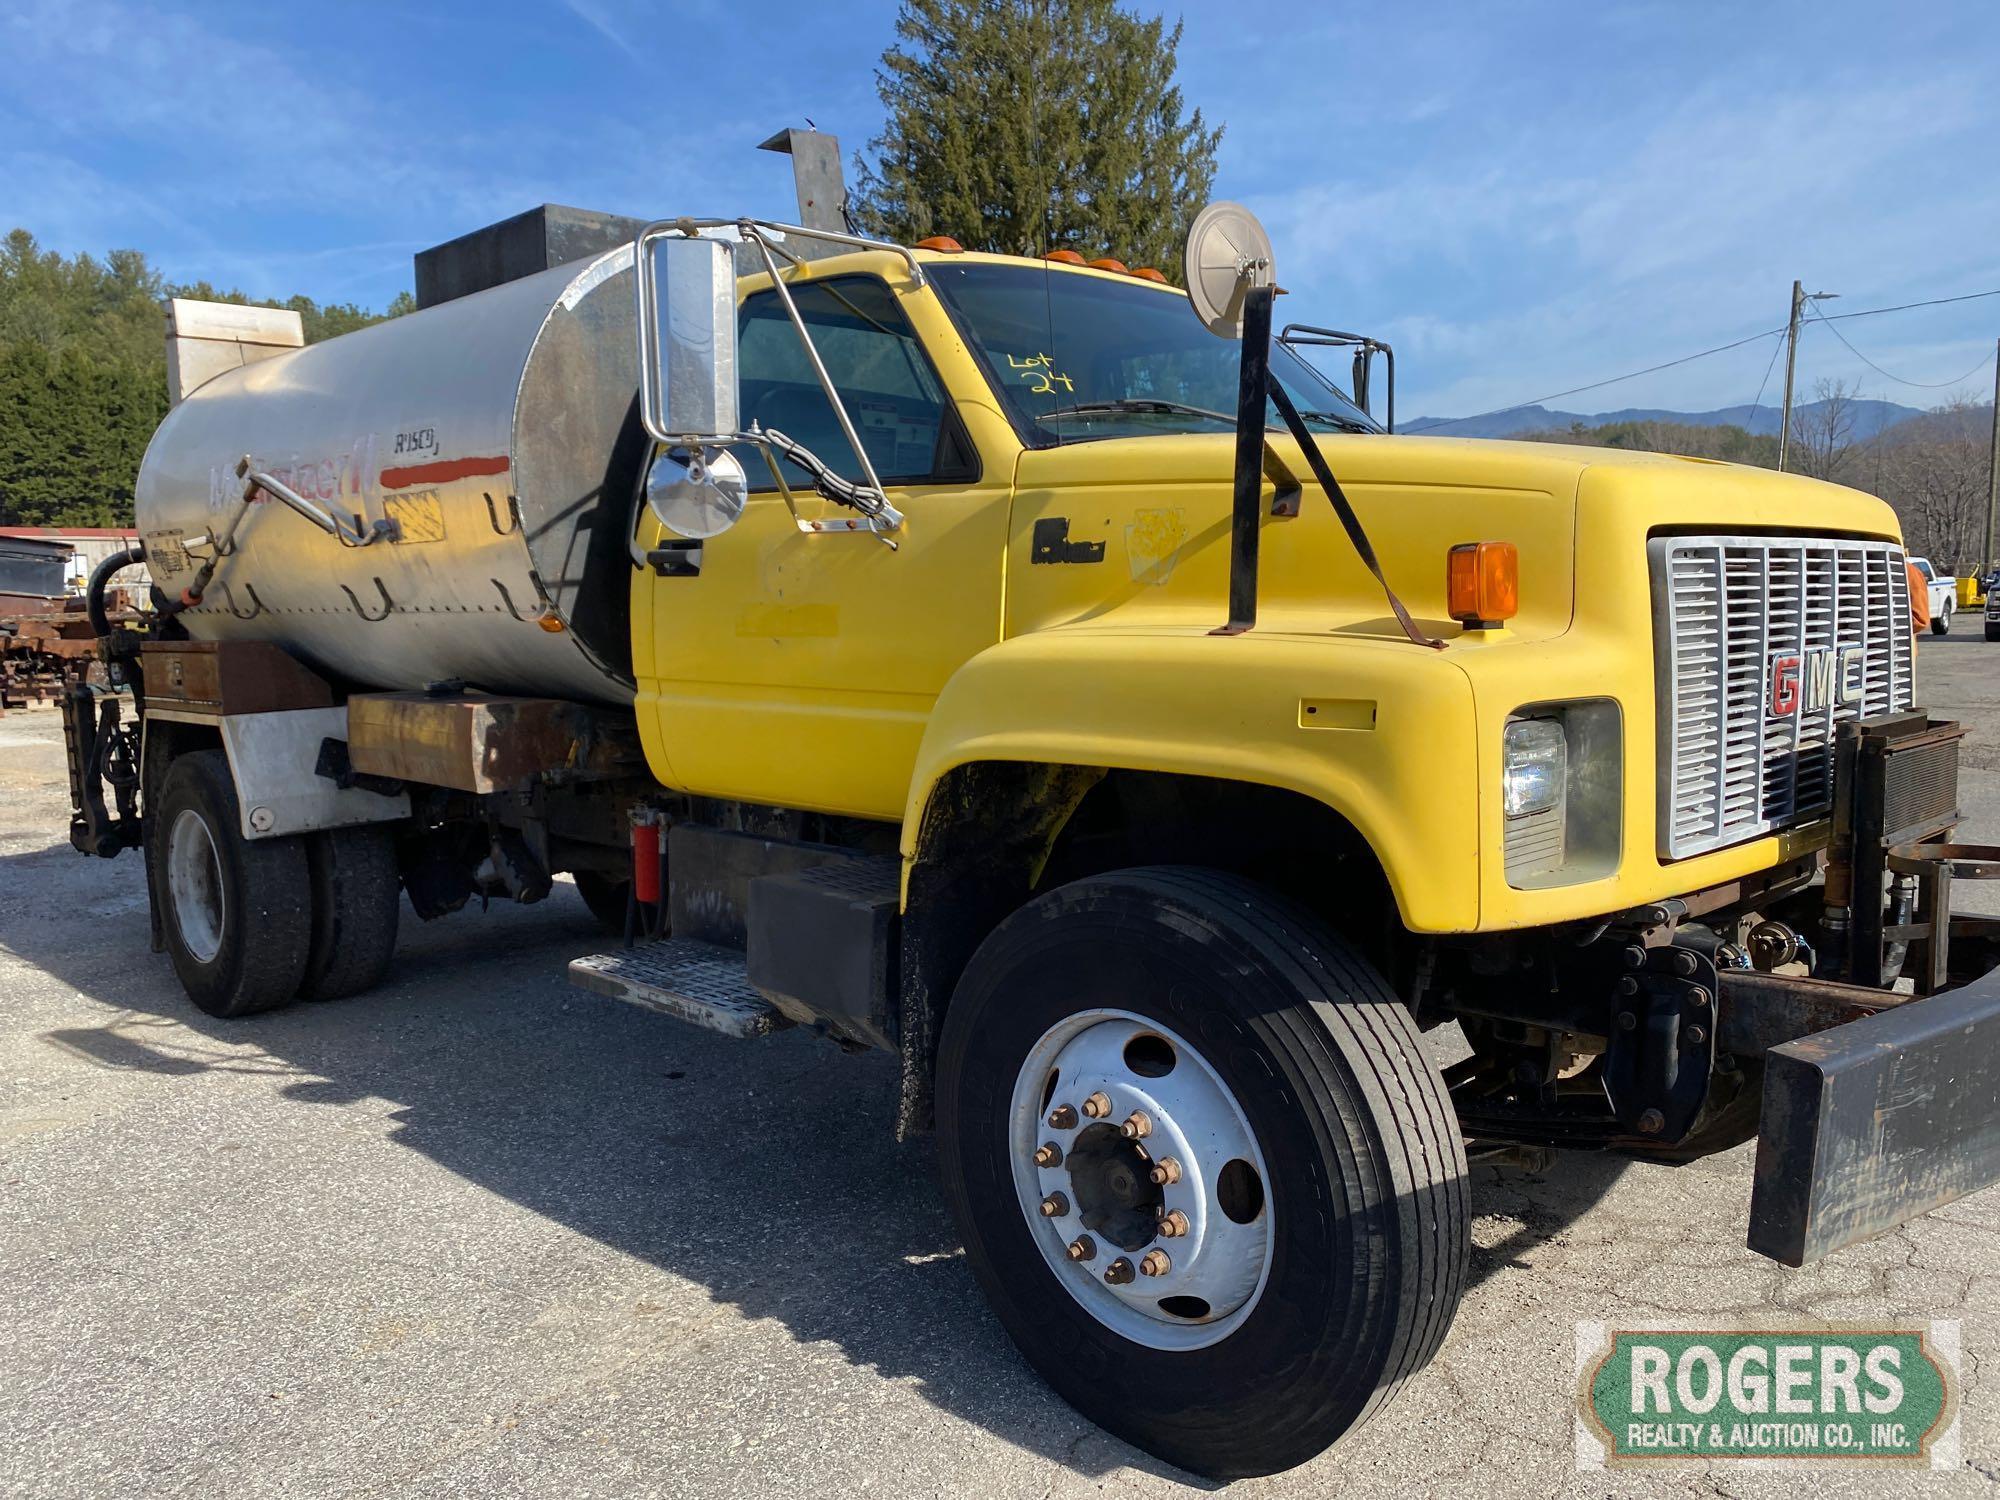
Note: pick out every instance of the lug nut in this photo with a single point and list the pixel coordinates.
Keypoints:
(1634, 956)
(1054, 1206)
(1048, 1154)
(1652, 1122)
(1083, 1247)
(1155, 1263)
(1063, 1117)
(1685, 964)
(1118, 1272)
(1628, 986)
(1172, 1225)
(1167, 1172)
(1137, 1124)
(1697, 1035)
(1098, 1105)
(1626, 1020)
(1697, 996)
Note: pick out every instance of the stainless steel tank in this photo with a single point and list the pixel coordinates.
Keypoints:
(497, 430)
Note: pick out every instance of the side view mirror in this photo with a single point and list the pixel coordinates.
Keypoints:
(687, 338)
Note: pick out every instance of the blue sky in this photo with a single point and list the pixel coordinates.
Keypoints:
(1522, 197)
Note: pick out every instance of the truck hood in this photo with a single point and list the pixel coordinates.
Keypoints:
(1154, 514)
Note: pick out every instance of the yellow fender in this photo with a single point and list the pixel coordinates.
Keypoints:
(1380, 731)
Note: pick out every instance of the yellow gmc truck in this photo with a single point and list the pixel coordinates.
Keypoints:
(1051, 676)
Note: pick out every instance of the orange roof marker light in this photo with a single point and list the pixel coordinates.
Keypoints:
(1108, 264)
(1065, 257)
(1483, 583)
(1148, 273)
(942, 243)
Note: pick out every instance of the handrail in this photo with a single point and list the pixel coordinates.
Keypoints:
(385, 529)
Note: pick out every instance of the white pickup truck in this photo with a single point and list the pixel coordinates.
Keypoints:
(1944, 595)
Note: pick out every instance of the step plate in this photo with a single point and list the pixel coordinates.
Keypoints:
(695, 982)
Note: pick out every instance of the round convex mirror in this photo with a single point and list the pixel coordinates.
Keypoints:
(697, 495)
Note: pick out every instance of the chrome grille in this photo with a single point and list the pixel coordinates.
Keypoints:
(1728, 609)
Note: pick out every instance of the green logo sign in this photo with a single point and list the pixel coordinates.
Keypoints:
(1820, 1394)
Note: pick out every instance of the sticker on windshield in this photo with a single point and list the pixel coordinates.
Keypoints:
(1039, 371)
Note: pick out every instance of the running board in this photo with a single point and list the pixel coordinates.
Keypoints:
(700, 983)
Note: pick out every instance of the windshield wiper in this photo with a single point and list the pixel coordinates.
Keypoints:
(1142, 405)
(1335, 419)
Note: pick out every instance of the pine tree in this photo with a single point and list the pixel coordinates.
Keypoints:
(1028, 125)
(83, 375)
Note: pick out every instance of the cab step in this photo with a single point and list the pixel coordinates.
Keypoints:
(701, 983)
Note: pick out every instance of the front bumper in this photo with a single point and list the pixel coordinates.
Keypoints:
(1872, 1123)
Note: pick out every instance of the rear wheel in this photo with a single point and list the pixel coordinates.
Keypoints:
(237, 912)
(356, 899)
(1941, 621)
(1203, 1170)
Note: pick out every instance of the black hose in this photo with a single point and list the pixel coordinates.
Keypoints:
(100, 577)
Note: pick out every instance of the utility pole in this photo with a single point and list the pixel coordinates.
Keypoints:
(1791, 362)
(1991, 559)
(1800, 297)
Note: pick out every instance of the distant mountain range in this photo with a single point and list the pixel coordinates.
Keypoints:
(1870, 418)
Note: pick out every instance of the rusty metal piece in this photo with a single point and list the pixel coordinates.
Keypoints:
(1098, 1105)
(1119, 1272)
(1138, 1124)
(1083, 1247)
(473, 742)
(1054, 1206)
(1063, 1117)
(1166, 1172)
(1652, 1122)
(1048, 1154)
(1173, 1224)
(1155, 1263)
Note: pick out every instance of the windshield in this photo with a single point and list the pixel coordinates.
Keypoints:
(1079, 357)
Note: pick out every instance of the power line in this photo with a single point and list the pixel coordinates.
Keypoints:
(1867, 312)
(1757, 403)
(1578, 390)
(1870, 312)
(1922, 385)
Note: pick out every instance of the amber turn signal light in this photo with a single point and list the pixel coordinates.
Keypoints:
(942, 243)
(1483, 583)
(1065, 257)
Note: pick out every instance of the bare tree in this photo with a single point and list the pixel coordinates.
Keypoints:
(1932, 469)
(1823, 432)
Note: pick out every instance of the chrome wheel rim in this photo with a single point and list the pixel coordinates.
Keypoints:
(1142, 1183)
(194, 877)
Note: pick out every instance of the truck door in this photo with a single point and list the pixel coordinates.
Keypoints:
(799, 670)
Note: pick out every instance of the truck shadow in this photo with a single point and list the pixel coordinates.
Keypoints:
(763, 1172)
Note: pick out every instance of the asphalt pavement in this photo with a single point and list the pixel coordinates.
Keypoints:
(477, 1233)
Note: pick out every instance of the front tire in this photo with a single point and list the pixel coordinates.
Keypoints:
(1321, 1187)
(237, 912)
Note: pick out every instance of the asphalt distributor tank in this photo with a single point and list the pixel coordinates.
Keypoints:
(498, 430)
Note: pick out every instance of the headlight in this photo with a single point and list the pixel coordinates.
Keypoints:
(1534, 766)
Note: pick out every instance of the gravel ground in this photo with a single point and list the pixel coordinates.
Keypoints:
(479, 1234)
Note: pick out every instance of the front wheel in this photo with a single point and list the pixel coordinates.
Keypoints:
(1203, 1170)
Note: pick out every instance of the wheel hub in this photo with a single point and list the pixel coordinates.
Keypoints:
(1115, 1196)
(194, 877)
(1141, 1181)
